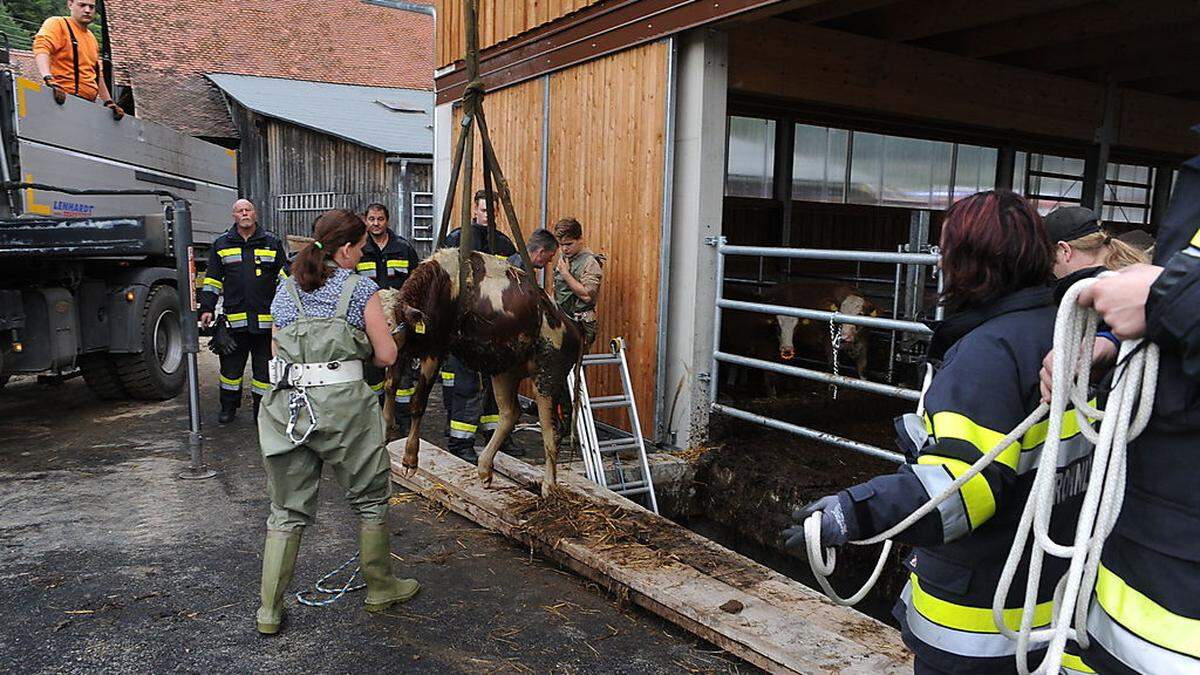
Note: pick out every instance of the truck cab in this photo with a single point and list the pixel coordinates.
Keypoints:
(88, 282)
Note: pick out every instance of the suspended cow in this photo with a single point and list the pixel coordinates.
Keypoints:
(817, 336)
(503, 326)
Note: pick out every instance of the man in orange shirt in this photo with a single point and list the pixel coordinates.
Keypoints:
(68, 56)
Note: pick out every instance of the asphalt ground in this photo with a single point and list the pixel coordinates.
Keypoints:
(110, 563)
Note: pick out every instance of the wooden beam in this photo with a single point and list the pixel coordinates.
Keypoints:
(1065, 26)
(1108, 50)
(918, 19)
(828, 11)
(781, 627)
(813, 65)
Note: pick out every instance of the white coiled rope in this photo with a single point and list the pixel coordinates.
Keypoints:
(1127, 412)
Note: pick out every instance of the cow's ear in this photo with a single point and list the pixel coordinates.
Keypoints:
(833, 307)
(412, 315)
(874, 312)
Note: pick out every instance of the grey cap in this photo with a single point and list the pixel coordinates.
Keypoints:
(1070, 223)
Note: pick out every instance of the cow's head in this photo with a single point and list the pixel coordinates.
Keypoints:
(786, 325)
(853, 338)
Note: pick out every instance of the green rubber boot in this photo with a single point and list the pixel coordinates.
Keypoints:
(279, 562)
(375, 558)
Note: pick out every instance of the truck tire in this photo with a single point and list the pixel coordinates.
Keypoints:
(157, 373)
(100, 374)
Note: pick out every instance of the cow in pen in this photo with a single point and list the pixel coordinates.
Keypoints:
(501, 325)
(807, 335)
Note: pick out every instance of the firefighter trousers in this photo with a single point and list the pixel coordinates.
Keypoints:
(256, 347)
(403, 391)
(470, 406)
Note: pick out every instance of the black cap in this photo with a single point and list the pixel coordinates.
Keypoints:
(1070, 223)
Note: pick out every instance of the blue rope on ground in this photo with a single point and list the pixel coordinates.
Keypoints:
(335, 593)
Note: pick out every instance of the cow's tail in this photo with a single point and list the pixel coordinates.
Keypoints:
(576, 399)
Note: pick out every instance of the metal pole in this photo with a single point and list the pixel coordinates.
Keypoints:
(832, 254)
(821, 315)
(819, 376)
(185, 267)
(719, 242)
(806, 432)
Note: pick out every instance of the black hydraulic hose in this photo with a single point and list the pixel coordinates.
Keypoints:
(76, 191)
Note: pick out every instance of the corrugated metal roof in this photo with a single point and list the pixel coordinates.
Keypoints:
(390, 120)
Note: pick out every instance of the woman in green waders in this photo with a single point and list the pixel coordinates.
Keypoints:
(320, 411)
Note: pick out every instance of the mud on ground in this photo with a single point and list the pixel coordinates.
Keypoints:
(754, 477)
(109, 563)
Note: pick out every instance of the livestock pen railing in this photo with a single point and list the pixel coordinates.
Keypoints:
(913, 260)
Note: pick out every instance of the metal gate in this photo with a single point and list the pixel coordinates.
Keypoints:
(914, 261)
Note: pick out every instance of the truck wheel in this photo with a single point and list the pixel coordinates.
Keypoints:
(100, 374)
(157, 373)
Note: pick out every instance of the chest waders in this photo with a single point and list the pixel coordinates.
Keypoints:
(321, 412)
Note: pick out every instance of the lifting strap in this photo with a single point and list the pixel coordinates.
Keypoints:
(74, 52)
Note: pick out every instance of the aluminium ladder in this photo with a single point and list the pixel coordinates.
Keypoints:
(603, 459)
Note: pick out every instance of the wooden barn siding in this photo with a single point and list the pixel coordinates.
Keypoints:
(301, 160)
(607, 134)
(499, 20)
(514, 117)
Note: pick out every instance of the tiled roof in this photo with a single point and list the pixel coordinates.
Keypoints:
(22, 62)
(393, 121)
(164, 49)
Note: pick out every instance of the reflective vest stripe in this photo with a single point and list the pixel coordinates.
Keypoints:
(377, 387)
(1146, 618)
(364, 266)
(237, 316)
(948, 424)
(1139, 654)
(213, 284)
(1196, 239)
(405, 395)
(1073, 665)
(447, 378)
(265, 253)
(976, 494)
(961, 642)
(228, 252)
(283, 275)
(972, 619)
(935, 479)
(462, 429)
(265, 318)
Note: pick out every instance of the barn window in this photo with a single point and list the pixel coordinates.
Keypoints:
(750, 171)
(1051, 182)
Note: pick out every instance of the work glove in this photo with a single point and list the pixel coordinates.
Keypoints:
(117, 112)
(60, 96)
(222, 342)
(834, 531)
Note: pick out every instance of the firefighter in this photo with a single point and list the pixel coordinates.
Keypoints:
(470, 406)
(996, 261)
(328, 323)
(244, 266)
(1145, 611)
(388, 259)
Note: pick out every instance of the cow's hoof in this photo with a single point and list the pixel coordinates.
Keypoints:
(547, 488)
(408, 470)
(485, 477)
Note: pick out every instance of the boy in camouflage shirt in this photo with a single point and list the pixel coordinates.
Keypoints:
(577, 277)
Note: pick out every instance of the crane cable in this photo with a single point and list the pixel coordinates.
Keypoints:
(1128, 410)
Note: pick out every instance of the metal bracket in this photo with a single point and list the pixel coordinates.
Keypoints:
(714, 240)
(704, 377)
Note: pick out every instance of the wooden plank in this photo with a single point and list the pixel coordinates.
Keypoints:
(783, 627)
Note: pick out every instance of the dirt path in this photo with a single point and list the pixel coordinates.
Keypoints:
(109, 563)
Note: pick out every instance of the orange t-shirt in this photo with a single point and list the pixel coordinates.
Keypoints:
(54, 38)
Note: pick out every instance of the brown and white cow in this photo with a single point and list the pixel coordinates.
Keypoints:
(797, 334)
(501, 325)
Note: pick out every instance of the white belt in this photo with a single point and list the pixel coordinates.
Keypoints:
(285, 375)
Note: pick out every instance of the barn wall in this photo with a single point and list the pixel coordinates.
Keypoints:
(606, 162)
(514, 118)
(498, 21)
(304, 161)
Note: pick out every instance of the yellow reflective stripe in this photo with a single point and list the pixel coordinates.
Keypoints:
(462, 426)
(377, 387)
(501, 257)
(948, 424)
(1196, 239)
(209, 281)
(1037, 433)
(363, 266)
(447, 376)
(265, 318)
(397, 263)
(973, 619)
(486, 419)
(1144, 617)
(406, 392)
(258, 384)
(1074, 663)
(283, 273)
(226, 252)
(229, 380)
(237, 316)
(976, 493)
(265, 253)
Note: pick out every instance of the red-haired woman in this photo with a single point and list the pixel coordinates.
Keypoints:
(327, 323)
(997, 261)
